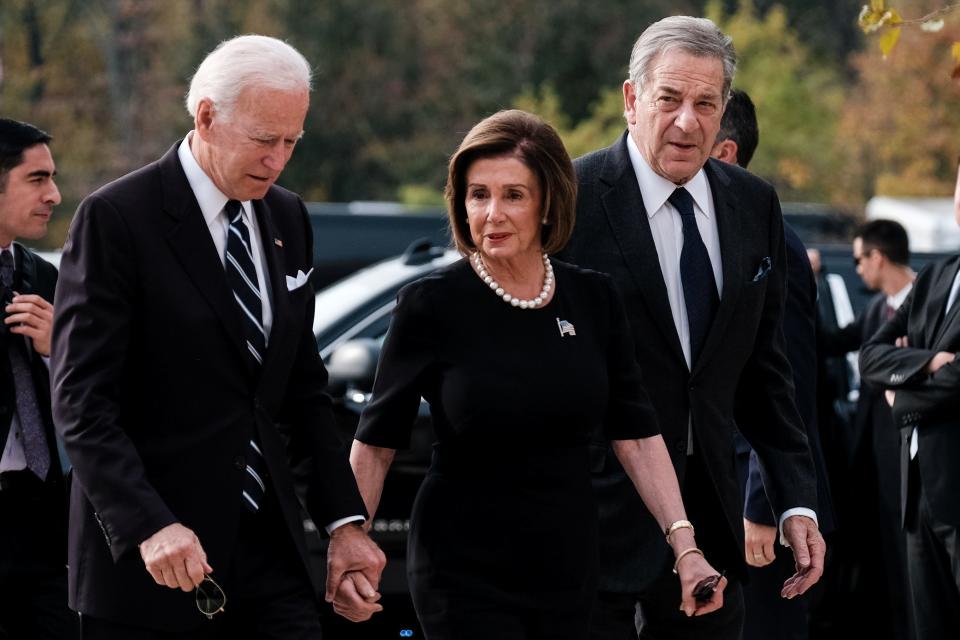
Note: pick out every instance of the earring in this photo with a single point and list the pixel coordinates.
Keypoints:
(544, 220)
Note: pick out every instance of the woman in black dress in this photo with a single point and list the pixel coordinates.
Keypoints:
(523, 360)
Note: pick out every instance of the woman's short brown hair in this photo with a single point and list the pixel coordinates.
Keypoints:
(535, 143)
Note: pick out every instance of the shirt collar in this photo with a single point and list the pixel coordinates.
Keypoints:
(209, 197)
(897, 299)
(655, 189)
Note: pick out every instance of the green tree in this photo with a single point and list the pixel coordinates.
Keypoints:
(798, 102)
(898, 132)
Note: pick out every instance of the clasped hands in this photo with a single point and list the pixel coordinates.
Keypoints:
(174, 557)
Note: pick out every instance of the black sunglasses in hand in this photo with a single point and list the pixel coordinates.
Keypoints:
(704, 590)
(210, 597)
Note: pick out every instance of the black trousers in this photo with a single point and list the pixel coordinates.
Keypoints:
(655, 613)
(933, 563)
(33, 570)
(270, 597)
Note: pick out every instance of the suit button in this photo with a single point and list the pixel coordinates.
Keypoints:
(681, 446)
(240, 462)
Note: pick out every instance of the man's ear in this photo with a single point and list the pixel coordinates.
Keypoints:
(630, 102)
(203, 121)
(725, 150)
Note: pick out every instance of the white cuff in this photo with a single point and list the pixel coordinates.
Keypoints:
(796, 511)
(336, 524)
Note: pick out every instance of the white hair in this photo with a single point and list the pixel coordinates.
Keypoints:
(697, 36)
(244, 62)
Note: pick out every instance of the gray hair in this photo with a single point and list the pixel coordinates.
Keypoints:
(697, 36)
(244, 62)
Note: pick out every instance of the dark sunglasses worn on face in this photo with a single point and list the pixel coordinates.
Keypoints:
(210, 597)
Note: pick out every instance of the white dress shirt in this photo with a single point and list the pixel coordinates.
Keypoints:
(667, 229)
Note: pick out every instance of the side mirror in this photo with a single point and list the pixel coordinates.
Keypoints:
(353, 365)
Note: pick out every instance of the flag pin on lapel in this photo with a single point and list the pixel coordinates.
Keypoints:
(566, 328)
(278, 242)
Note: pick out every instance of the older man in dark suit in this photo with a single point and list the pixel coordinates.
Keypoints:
(914, 357)
(187, 381)
(696, 247)
(33, 526)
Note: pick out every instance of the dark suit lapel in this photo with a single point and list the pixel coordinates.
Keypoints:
(27, 267)
(938, 301)
(728, 228)
(623, 205)
(190, 241)
(278, 284)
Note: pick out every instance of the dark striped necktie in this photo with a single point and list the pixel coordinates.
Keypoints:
(696, 276)
(243, 280)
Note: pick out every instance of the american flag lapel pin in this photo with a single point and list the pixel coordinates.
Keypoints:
(566, 328)
(278, 242)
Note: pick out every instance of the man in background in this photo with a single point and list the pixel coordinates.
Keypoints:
(913, 356)
(869, 453)
(33, 524)
(767, 614)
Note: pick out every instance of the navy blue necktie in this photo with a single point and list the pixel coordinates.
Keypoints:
(242, 276)
(696, 276)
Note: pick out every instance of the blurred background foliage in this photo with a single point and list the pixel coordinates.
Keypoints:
(399, 82)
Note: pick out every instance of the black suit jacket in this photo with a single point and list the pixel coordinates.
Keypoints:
(156, 399)
(34, 275)
(929, 403)
(742, 365)
(872, 408)
(799, 329)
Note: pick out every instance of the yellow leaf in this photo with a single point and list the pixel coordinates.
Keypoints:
(955, 51)
(870, 20)
(889, 40)
(891, 17)
(878, 5)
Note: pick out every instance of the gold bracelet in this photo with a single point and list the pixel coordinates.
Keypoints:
(684, 553)
(679, 524)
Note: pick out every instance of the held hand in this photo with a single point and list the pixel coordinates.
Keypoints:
(31, 316)
(891, 396)
(356, 599)
(803, 536)
(758, 543)
(901, 342)
(174, 557)
(942, 358)
(351, 549)
(693, 569)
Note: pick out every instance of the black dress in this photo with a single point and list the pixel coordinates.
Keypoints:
(503, 531)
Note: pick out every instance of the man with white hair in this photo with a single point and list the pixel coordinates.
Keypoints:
(187, 381)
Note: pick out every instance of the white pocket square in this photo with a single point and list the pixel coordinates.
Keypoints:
(299, 281)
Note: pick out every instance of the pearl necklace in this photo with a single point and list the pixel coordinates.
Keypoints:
(514, 301)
